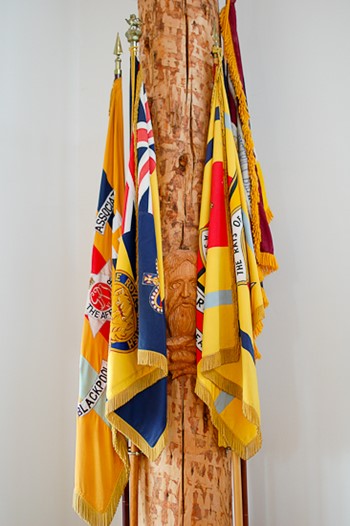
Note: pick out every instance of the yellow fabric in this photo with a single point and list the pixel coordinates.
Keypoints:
(133, 370)
(100, 474)
(267, 262)
(233, 306)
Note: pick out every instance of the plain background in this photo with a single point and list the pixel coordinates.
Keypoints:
(56, 72)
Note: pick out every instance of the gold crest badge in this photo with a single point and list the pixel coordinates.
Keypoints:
(123, 333)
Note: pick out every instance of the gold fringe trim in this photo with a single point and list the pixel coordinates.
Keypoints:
(121, 448)
(226, 436)
(93, 517)
(258, 316)
(152, 453)
(127, 394)
(258, 327)
(257, 354)
(222, 357)
(267, 264)
(153, 359)
(265, 298)
(224, 384)
(247, 134)
(268, 212)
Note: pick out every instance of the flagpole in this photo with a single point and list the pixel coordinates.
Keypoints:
(117, 75)
(245, 492)
(134, 484)
(133, 36)
(237, 489)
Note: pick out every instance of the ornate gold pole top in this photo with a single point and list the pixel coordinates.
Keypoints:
(216, 51)
(134, 32)
(118, 50)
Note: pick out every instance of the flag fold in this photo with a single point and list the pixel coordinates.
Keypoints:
(230, 304)
(137, 363)
(259, 210)
(100, 473)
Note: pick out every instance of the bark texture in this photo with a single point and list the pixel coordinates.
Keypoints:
(177, 63)
(190, 483)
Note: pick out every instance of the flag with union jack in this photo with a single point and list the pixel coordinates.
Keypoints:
(137, 363)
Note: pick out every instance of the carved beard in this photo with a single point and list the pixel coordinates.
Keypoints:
(182, 320)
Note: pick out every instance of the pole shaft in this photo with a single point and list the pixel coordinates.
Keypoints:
(237, 489)
(245, 493)
(125, 507)
(134, 485)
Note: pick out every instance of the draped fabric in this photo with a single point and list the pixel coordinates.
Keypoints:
(137, 364)
(259, 210)
(230, 305)
(100, 473)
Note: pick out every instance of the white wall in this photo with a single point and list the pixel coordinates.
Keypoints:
(296, 57)
(56, 71)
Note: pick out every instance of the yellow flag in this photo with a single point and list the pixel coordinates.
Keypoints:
(230, 304)
(100, 474)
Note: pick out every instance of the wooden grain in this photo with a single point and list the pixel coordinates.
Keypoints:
(176, 55)
(190, 483)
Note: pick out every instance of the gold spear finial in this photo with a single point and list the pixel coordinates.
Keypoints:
(118, 50)
(134, 32)
(216, 51)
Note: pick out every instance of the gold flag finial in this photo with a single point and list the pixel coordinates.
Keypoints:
(118, 50)
(216, 51)
(134, 32)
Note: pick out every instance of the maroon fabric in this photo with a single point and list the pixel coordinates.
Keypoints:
(266, 244)
(231, 103)
(233, 25)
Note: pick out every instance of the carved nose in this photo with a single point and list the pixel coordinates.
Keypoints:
(185, 290)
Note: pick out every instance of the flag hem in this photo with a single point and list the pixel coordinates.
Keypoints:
(152, 453)
(221, 357)
(93, 517)
(226, 437)
(132, 390)
(267, 262)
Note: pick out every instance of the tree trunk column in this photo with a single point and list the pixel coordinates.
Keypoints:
(190, 483)
(176, 55)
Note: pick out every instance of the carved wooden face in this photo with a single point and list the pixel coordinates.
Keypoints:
(180, 293)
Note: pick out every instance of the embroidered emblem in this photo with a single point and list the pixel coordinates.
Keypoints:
(124, 335)
(100, 296)
(98, 307)
(154, 298)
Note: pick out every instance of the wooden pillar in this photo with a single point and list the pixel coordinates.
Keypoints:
(190, 483)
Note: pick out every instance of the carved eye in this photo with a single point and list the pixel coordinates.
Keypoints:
(176, 284)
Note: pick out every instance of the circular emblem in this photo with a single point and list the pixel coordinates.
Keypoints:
(155, 301)
(100, 296)
(124, 335)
